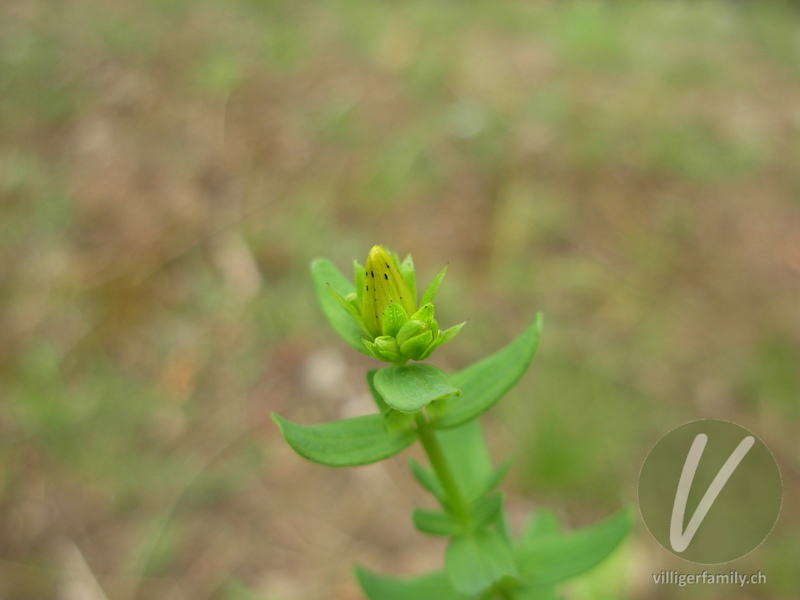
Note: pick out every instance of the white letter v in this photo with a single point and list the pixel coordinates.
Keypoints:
(680, 539)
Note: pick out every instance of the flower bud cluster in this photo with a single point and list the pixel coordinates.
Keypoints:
(385, 307)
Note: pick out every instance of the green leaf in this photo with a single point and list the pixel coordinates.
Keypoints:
(543, 522)
(382, 406)
(434, 522)
(484, 382)
(394, 419)
(550, 558)
(347, 443)
(495, 477)
(464, 448)
(430, 292)
(428, 480)
(411, 387)
(536, 593)
(487, 510)
(432, 586)
(324, 274)
(474, 562)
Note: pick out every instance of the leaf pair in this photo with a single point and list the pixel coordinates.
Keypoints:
(457, 400)
(476, 564)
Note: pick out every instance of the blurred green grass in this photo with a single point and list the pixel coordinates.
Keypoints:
(168, 170)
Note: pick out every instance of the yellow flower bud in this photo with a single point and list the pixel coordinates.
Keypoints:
(383, 284)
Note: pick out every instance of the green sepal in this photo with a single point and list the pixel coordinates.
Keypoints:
(474, 562)
(428, 480)
(407, 272)
(372, 349)
(435, 522)
(394, 317)
(441, 337)
(483, 383)
(431, 586)
(325, 274)
(425, 313)
(430, 292)
(449, 333)
(408, 388)
(346, 443)
(348, 303)
(358, 278)
(546, 557)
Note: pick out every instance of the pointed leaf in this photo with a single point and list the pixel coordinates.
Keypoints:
(474, 562)
(427, 480)
(536, 593)
(465, 450)
(551, 558)
(347, 443)
(430, 292)
(542, 523)
(433, 586)
(323, 274)
(410, 387)
(495, 477)
(484, 382)
(487, 510)
(434, 522)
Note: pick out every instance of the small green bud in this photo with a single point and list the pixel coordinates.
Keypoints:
(411, 329)
(388, 347)
(394, 317)
(415, 347)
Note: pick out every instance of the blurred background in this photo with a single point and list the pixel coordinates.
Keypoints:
(169, 168)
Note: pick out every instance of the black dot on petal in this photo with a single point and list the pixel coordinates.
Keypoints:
(385, 276)
(372, 273)
(367, 288)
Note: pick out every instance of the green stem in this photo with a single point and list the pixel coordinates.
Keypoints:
(432, 447)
